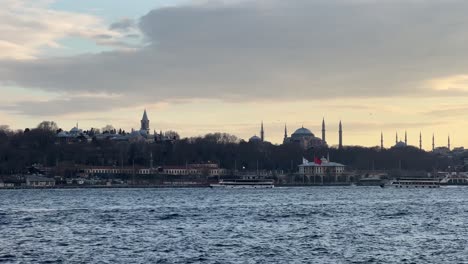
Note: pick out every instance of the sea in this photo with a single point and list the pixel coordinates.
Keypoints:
(280, 225)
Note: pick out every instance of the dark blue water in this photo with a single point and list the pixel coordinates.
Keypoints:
(282, 225)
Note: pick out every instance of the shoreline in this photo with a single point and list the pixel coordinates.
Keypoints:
(64, 187)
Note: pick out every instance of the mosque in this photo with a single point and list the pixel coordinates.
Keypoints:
(404, 144)
(302, 136)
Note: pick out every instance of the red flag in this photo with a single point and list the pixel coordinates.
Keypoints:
(317, 161)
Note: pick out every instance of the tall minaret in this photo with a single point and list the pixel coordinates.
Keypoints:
(340, 136)
(433, 142)
(145, 122)
(262, 133)
(448, 145)
(406, 139)
(381, 140)
(420, 141)
(151, 160)
(285, 132)
(323, 131)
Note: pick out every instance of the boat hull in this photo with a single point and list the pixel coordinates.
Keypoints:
(244, 186)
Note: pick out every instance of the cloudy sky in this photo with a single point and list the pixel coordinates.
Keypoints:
(224, 65)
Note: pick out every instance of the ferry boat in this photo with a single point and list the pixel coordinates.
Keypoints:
(414, 183)
(454, 180)
(244, 183)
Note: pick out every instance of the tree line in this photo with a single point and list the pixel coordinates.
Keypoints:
(21, 149)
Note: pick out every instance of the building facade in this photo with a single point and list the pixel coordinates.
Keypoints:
(322, 168)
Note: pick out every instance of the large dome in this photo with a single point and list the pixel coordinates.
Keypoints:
(75, 130)
(302, 132)
(255, 139)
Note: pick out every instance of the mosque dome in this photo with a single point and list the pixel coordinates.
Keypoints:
(255, 139)
(62, 134)
(400, 144)
(301, 132)
(75, 130)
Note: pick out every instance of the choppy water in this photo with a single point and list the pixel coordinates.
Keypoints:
(282, 225)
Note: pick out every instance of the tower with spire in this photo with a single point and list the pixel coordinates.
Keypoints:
(285, 132)
(433, 142)
(420, 141)
(448, 142)
(381, 140)
(340, 136)
(323, 131)
(396, 138)
(145, 123)
(262, 133)
(406, 139)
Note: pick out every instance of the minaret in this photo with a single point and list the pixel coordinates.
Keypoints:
(433, 142)
(381, 140)
(420, 141)
(285, 132)
(262, 132)
(145, 122)
(396, 138)
(406, 139)
(151, 160)
(340, 136)
(323, 131)
(448, 145)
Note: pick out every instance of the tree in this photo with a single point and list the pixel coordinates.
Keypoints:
(48, 126)
(172, 135)
(5, 128)
(108, 129)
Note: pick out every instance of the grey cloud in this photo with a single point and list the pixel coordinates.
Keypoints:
(66, 106)
(124, 24)
(269, 50)
(448, 112)
(103, 36)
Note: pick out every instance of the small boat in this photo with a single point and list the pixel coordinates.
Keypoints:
(244, 183)
(414, 183)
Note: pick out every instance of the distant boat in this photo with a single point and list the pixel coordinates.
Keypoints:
(244, 183)
(413, 183)
(454, 180)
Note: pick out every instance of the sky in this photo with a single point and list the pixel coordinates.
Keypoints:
(201, 66)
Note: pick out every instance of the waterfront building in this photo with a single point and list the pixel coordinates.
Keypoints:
(39, 181)
(208, 169)
(200, 169)
(321, 167)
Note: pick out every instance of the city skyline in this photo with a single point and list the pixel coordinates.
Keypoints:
(100, 63)
(329, 130)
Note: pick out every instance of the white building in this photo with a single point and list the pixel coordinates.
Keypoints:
(39, 181)
(321, 167)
